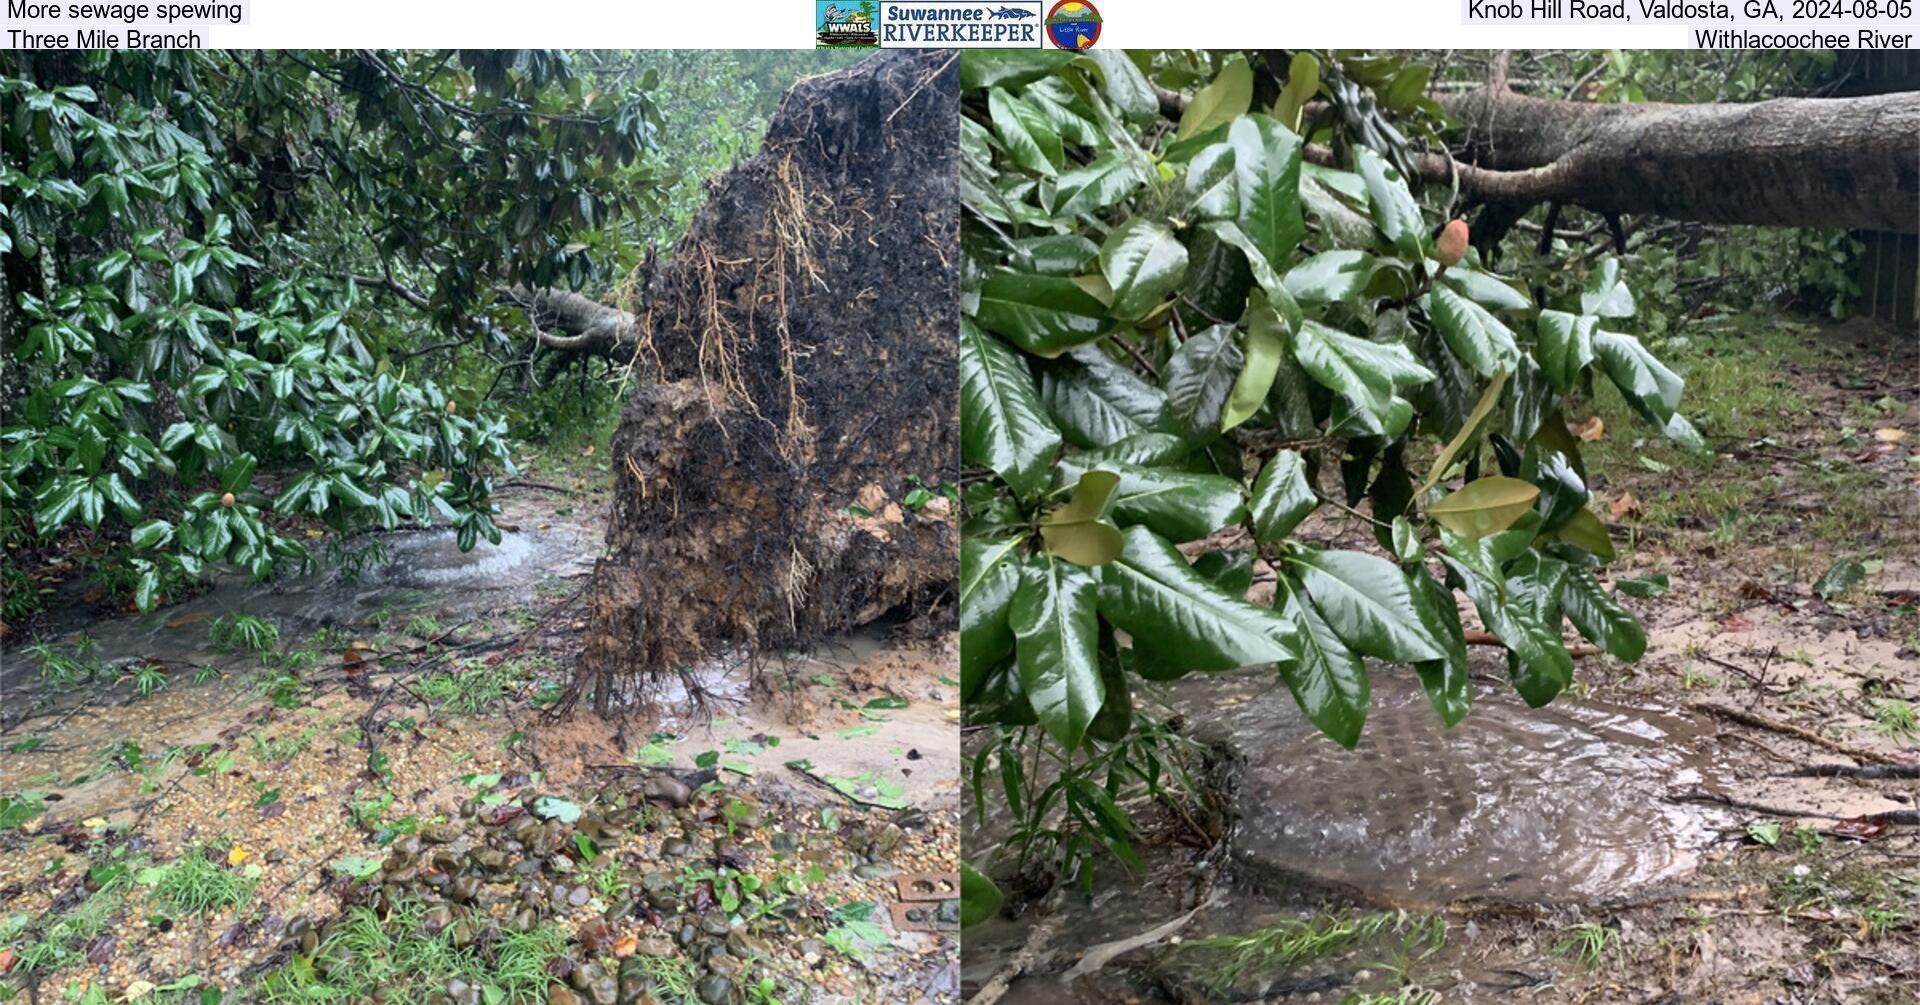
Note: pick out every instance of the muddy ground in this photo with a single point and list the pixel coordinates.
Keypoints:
(376, 806)
(1723, 874)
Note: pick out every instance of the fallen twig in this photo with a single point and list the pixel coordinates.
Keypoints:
(1099, 956)
(1031, 952)
(524, 483)
(1905, 817)
(1758, 721)
(1854, 771)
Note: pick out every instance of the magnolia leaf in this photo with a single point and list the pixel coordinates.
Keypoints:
(1143, 262)
(1227, 98)
(1002, 424)
(1266, 345)
(1281, 497)
(1485, 506)
(1075, 530)
(1056, 626)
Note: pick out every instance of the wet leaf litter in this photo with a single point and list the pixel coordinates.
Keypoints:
(413, 853)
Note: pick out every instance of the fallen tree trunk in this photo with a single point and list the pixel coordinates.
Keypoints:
(1789, 162)
(796, 358)
(585, 325)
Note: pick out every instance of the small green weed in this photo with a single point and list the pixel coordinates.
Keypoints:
(1894, 719)
(1587, 943)
(195, 884)
(237, 632)
(1282, 947)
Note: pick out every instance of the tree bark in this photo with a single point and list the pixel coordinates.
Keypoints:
(1789, 162)
(586, 325)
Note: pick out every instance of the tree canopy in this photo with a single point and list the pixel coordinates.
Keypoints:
(245, 290)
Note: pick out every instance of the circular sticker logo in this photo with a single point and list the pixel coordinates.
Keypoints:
(1073, 24)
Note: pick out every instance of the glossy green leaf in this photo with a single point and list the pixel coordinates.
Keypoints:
(1209, 191)
(1600, 618)
(1097, 402)
(1045, 315)
(1364, 372)
(1328, 681)
(989, 575)
(1565, 347)
(1030, 139)
(1154, 595)
(152, 534)
(1226, 98)
(1448, 681)
(1646, 383)
(1586, 532)
(1681, 432)
(980, 899)
(1485, 506)
(1330, 277)
(1145, 449)
(1395, 212)
(1107, 180)
(1199, 376)
(1607, 295)
(238, 474)
(1056, 627)
(1218, 278)
(1487, 290)
(1282, 497)
(1369, 603)
(1537, 660)
(1266, 346)
(1143, 262)
(1002, 424)
(1177, 505)
(1126, 87)
(1055, 254)
(1266, 171)
(146, 588)
(1473, 333)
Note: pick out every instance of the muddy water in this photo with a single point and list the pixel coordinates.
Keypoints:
(423, 571)
(1569, 803)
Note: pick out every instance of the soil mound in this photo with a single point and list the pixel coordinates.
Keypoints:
(797, 358)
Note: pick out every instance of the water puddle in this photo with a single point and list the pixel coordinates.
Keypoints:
(422, 570)
(1568, 803)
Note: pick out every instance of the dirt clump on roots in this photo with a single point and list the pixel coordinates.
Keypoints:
(796, 357)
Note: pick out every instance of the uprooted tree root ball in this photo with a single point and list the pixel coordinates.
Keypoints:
(796, 358)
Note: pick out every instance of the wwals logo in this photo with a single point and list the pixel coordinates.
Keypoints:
(846, 24)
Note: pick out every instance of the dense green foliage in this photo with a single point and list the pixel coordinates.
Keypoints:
(283, 276)
(1172, 329)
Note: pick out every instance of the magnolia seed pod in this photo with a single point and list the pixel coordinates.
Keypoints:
(1452, 245)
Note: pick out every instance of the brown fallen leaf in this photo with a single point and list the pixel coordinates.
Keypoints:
(1859, 829)
(1590, 430)
(1622, 505)
(1889, 434)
